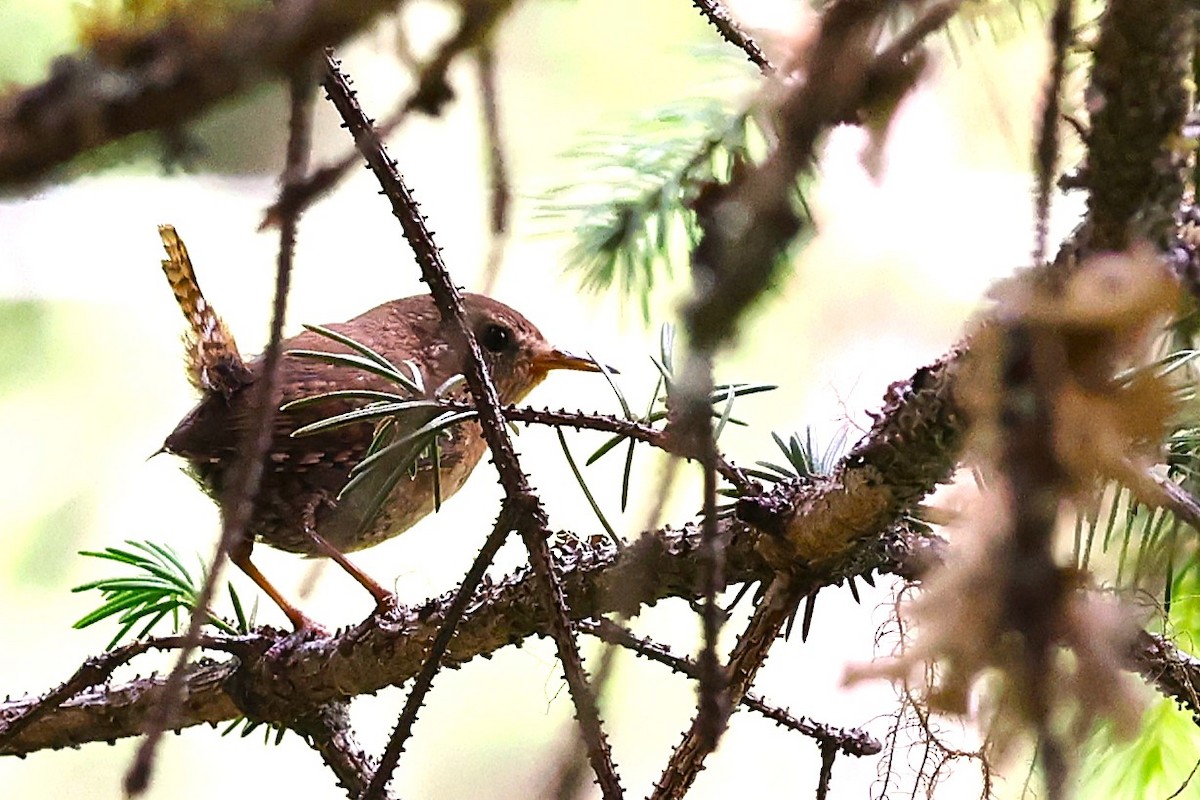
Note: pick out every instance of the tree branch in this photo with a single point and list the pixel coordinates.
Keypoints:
(1135, 173)
(853, 741)
(719, 17)
(150, 79)
(328, 731)
(390, 649)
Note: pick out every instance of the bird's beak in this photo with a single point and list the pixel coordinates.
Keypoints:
(560, 359)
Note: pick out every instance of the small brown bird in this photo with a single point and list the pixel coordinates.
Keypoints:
(298, 508)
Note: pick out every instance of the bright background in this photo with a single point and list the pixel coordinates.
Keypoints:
(91, 378)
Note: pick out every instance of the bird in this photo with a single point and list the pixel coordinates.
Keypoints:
(303, 505)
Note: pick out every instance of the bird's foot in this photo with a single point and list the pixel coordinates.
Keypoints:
(385, 603)
(303, 634)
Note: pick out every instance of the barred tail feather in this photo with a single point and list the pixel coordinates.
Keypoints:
(213, 361)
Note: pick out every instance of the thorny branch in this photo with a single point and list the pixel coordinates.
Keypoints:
(391, 649)
(1174, 672)
(1134, 176)
(749, 655)
(853, 742)
(433, 659)
(1047, 140)
(720, 18)
(94, 671)
(328, 731)
(530, 517)
(429, 94)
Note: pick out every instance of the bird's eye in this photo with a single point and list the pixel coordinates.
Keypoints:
(496, 338)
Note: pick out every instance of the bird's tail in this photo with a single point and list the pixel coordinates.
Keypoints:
(213, 361)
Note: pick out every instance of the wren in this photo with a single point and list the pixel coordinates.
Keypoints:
(298, 507)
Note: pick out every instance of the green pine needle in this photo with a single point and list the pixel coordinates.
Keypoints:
(409, 423)
(633, 221)
(160, 586)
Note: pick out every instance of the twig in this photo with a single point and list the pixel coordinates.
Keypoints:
(852, 742)
(237, 502)
(749, 654)
(499, 188)
(624, 427)
(328, 731)
(730, 31)
(432, 661)
(1186, 781)
(1047, 138)
(1175, 673)
(530, 518)
(828, 754)
(477, 22)
(693, 426)
(1179, 501)
(733, 263)
(95, 670)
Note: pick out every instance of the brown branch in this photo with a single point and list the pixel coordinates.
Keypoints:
(1180, 502)
(430, 92)
(1139, 97)
(328, 731)
(441, 643)
(828, 754)
(499, 185)
(638, 431)
(95, 670)
(530, 520)
(151, 79)
(390, 649)
(690, 429)
(1173, 672)
(749, 654)
(720, 18)
(1047, 140)
(853, 741)
(734, 263)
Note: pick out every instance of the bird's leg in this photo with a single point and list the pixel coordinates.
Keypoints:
(384, 600)
(239, 554)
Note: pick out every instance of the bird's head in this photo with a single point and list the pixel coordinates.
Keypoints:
(517, 353)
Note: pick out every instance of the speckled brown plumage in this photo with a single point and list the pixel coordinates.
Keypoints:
(302, 476)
